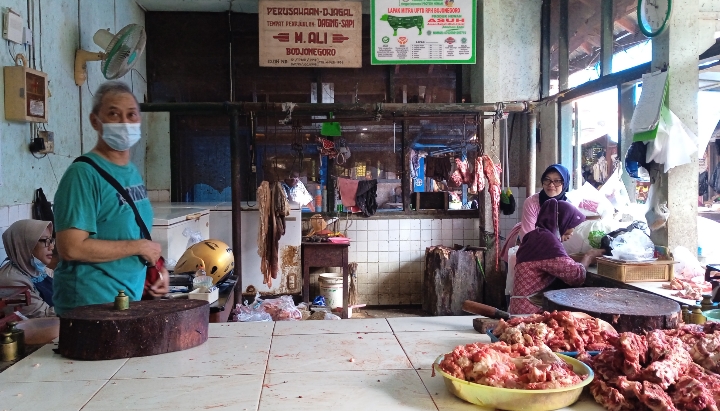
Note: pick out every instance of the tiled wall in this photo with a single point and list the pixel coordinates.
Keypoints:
(9, 215)
(391, 254)
(157, 196)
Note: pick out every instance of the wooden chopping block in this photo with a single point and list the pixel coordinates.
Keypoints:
(483, 325)
(99, 332)
(626, 310)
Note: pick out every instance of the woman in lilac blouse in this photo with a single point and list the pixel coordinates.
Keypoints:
(555, 183)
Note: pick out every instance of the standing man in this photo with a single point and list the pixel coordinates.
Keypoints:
(100, 245)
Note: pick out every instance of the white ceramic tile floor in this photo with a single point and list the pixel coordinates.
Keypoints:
(217, 356)
(237, 392)
(395, 390)
(45, 365)
(376, 325)
(56, 395)
(449, 323)
(444, 400)
(337, 352)
(305, 372)
(422, 348)
(228, 330)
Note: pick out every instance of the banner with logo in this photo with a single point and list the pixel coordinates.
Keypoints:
(310, 33)
(423, 31)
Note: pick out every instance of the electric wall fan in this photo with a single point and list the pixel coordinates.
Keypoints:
(122, 52)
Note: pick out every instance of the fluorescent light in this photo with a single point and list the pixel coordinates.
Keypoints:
(364, 129)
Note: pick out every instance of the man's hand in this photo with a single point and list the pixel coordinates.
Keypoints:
(149, 251)
(162, 285)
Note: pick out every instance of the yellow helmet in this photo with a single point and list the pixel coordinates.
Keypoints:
(213, 256)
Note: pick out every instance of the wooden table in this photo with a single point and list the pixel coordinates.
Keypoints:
(325, 255)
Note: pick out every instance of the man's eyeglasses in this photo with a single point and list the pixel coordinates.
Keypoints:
(556, 183)
(47, 241)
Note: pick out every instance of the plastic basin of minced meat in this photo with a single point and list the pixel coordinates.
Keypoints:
(515, 399)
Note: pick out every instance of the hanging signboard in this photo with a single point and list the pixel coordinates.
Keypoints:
(310, 33)
(423, 31)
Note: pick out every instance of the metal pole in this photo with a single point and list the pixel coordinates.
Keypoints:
(349, 108)
(532, 154)
(578, 149)
(236, 154)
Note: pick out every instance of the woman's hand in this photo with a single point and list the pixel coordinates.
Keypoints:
(590, 256)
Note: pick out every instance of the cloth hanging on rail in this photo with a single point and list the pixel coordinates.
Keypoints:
(348, 191)
(438, 168)
(366, 197)
(414, 164)
(600, 171)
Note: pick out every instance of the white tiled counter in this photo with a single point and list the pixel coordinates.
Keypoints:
(373, 364)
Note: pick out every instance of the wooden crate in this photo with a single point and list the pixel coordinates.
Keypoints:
(629, 272)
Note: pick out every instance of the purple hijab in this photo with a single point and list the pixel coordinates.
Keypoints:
(543, 243)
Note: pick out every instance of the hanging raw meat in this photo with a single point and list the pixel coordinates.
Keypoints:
(493, 176)
(479, 180)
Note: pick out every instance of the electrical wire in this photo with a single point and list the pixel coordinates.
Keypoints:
(139, 74)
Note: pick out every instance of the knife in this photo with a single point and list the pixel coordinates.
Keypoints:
(473, 307)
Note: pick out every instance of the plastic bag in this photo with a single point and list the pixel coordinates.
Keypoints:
(614, 190)
(590, 199)
(331, 316)
(675, 143)
(687, 265)
(657, 213)
(608, 238)
(193, 236)
(282, 309)
(587, 235)
(632, 246)
(252, 313)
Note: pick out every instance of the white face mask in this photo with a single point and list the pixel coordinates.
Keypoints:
(121, 136)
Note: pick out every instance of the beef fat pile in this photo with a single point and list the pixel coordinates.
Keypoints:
(517, 366)
(654, 372)
(559, 330)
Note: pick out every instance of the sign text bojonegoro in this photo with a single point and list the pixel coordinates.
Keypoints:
(310, 33)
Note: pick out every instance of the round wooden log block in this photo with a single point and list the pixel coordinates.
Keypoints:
(99, 332)
(626, 310)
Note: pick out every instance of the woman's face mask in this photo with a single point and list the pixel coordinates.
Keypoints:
(39, 265)
(121, 136)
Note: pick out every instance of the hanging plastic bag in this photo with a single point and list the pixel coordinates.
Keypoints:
(614, 190)
(588, 198)
(658, 213)
(632, 246)
(675, 143)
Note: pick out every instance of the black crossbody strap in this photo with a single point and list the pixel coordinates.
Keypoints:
(120, 189)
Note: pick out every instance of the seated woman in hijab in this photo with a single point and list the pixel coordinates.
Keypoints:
(29, 247)
(555, 184)
(542, 260)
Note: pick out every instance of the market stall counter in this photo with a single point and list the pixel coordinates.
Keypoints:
(383, 364)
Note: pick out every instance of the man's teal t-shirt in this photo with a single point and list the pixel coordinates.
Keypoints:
(86, 201)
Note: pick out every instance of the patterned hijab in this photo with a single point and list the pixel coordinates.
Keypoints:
(543, 243)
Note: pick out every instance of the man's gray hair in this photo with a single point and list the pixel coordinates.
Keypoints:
(110, 87)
